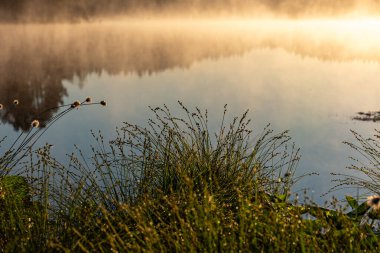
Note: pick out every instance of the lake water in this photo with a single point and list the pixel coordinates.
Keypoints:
(310, 77)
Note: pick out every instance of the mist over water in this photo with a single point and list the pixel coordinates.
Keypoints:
(310, 76)
(36, 59)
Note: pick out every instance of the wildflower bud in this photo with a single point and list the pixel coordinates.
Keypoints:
(16, 102)
(103, 103)
(88, 100)
(76, 104)
(35, 123)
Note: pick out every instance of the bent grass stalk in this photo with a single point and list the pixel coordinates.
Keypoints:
(26, 140)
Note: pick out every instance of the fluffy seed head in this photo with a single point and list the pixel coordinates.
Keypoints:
(103, 103)
(35, 123)
(374, 202)
(76, 104)
(16, 102)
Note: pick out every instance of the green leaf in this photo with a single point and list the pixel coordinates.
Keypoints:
(320, 212)
(359, 211)
(282, 197)
(352, 202)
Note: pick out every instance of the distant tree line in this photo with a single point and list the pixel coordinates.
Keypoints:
(41, 10)
(58, 9)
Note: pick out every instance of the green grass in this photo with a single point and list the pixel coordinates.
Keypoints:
(175, 186)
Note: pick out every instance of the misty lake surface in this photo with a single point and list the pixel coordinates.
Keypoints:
(310, 77)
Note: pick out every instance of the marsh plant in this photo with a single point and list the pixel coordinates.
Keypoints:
(175, 164)
(175, 185)
(367, 165)
(176, 153)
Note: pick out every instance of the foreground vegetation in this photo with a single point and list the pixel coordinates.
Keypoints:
(172, 187)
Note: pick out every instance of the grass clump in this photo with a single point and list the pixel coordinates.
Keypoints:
(163, 159)
(178, 164)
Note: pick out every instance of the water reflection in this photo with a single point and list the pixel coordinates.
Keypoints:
(35, 60)
(36, 91)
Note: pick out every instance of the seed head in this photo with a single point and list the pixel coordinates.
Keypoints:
(76, 104)
(35, 123)
(16, 102)
(374, 202)
(103, 103)
(88, 100)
